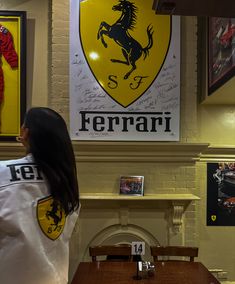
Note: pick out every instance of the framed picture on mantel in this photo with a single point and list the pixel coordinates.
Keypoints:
(221, 51)
(132, 185)
(12, 73)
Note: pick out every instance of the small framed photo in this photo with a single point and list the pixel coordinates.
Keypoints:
(132, 185)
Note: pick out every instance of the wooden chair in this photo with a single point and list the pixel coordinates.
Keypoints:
(159, 253)
(120, 252)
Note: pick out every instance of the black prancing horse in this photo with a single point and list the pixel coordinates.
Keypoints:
(53, 213)
(131, 48)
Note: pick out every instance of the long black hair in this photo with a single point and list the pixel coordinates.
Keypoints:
(51, 147)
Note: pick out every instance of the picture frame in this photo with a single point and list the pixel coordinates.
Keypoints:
(221, 193)
(12, 73)
(221, 51)
(132, 185)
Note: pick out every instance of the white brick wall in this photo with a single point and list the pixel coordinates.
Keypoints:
(159, 177)
(189, 132)
(59, 96)
(163, 177)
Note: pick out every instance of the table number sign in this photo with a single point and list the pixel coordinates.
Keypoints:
(138, 248)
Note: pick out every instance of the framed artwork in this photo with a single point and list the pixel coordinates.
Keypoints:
(12, 73)
(132, 185)
(118, 93)
(221, 194)
(221, 51)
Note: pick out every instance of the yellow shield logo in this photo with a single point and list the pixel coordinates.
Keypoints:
(125, 44)
(213, 218)
(51, 217)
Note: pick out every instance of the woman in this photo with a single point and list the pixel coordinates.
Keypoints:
(38, 203)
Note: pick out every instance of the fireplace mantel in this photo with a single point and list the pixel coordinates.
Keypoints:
(175, 203)
(129, 151)
(147, 197)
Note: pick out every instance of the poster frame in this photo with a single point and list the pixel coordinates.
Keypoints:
(220, 38)
(19, 103)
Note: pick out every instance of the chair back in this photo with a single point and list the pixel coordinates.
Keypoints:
(120, 252)
(159, 252)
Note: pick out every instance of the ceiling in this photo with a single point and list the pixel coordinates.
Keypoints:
(212, 8)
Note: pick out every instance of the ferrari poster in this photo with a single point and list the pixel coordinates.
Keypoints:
(124, 71)
(221, 194)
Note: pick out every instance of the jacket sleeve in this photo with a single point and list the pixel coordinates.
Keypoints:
(8, 49)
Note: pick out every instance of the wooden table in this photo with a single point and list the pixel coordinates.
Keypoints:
(173, 272)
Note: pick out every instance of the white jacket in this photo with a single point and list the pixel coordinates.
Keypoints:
(34, 234)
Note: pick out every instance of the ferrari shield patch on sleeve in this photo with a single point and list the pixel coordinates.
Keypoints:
(51, 217)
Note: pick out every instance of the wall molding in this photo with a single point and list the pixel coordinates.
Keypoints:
(101, 151)
(217, 153)
(11, 150)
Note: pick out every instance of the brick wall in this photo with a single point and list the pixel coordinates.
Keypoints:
(59, 95)
(189, 130)
(163, 172)
(103, 176)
